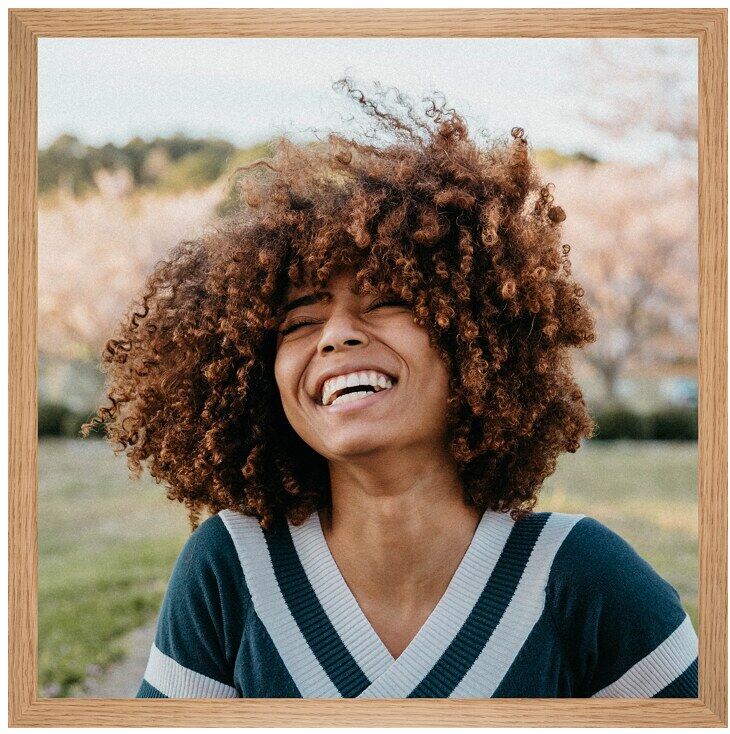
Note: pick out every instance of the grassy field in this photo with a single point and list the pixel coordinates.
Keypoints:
(107, 545)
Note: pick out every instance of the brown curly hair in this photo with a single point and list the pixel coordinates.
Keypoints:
(467, 235)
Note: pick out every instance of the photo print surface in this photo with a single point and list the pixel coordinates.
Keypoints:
(523, 334)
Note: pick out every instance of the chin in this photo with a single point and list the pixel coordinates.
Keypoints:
(355, 447)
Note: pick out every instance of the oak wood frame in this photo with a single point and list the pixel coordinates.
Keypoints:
(709, 26)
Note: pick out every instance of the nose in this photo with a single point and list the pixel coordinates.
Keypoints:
(340, 331)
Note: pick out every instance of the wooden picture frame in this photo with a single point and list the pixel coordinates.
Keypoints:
(709, 26)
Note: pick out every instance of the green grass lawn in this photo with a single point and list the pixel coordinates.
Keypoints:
(107, 544)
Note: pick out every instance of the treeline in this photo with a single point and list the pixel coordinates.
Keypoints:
(173, 164)
(176, 163)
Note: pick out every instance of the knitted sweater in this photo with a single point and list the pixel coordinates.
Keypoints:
(554, 605)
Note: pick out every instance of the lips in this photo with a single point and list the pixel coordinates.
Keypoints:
(359, 404)
(345, 370)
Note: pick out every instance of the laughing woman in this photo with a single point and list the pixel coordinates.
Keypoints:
(364, 379)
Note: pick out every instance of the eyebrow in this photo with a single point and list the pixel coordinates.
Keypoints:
(310, 298)
(307, 300)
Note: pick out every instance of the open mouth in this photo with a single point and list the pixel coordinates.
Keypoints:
(358, 396)
(345, 390)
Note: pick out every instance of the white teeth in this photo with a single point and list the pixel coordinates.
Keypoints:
(375, 379)
(351, 396)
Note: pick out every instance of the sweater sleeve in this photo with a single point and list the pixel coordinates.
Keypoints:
(623, 627)
(200, 624)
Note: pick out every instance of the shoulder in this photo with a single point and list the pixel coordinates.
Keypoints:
(590, 547)
(218, 537)
(622, 624)
(595, 559)
(210, 543)
(202, 618)
(206, 600)
(210, 559)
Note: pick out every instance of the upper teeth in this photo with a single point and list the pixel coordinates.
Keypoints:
(376, 379)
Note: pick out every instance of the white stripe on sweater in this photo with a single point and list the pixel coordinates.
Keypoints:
(521, 615)
(176, 681)
(659, 668)
(306, 671)
(451, 612)
(337, 600)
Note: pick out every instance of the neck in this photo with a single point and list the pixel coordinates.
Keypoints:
(399, 529)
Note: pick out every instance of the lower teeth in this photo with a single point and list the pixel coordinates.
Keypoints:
(350, 396)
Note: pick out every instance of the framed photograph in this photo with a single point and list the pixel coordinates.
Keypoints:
(411, 327)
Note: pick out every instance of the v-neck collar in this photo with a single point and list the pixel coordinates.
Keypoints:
(403, 673)
(463, 649)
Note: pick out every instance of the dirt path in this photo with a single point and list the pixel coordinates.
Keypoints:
(123, 679)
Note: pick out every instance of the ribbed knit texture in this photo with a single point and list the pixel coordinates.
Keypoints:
(655, 672)
(337, 601)
(554, 605)
(165, 674)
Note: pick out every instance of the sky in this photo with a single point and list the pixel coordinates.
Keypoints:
(245, 90)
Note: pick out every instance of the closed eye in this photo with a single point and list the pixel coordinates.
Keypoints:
(378, 304)
(389, 302)
(295, 325)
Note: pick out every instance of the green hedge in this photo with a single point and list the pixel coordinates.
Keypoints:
(670, 424)
(665, 424)
(623, 423)
(57, 419)
(51, 417)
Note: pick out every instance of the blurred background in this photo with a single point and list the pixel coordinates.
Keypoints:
(137, 141)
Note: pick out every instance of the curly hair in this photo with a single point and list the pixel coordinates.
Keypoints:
(466, 234)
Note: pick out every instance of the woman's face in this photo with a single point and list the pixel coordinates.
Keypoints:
(335, 332)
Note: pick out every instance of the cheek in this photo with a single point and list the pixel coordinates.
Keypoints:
(284, 375)
(433, 372)
(436, 386)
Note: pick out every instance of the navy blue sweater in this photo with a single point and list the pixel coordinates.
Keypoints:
(555, 605)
